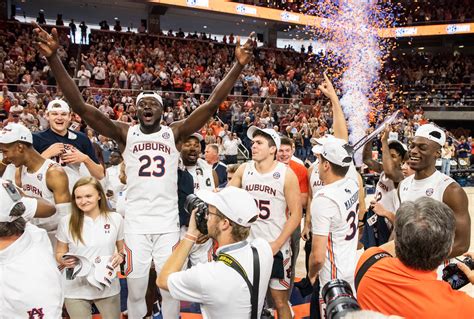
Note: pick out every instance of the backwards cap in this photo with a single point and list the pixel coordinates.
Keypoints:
(149, 94)
(432, 132)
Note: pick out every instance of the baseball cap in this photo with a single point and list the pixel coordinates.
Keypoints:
(432, 132)
(102, 273)
(15, 132)
(318, 142)
(235, 203)
(197, 135)
(336, 151)
(58, 105)
(149, 94)
(391, 141)
(83, 266)
(269, 131)
(8, 192)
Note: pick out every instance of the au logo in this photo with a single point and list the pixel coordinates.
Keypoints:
(429, 192)
(276, 175)
(36, 313)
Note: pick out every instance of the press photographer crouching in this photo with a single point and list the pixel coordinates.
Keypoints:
(235, 285)
(407, 285)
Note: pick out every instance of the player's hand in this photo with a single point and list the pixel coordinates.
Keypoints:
(465, 269)
(327, 88)
(47, 44)
(192, 227)
(306, 232)
(116, 260)
(244, 53)
(109, 193)
(69, 262)
(54, 150)
(386, 133)
(74, 157)
(378, 209)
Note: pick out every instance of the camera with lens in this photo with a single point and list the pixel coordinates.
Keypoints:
(455, 276)
(337, 295)
(192, 202)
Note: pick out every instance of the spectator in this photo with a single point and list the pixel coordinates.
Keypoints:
(403, 279)
(84, 76)
(231, 148)
(464, 152)
(59, 20)
(83, 28)
(447, 152)
(72, 30)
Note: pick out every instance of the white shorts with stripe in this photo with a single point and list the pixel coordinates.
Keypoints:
(284, 284)
(141, 249)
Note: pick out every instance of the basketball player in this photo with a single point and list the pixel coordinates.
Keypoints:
(204, 177)
(37, 176)
(274, 187)
(393, 154)
(334, 218)
(423, 151)
(151, 155)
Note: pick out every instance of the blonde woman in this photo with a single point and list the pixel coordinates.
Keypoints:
(90, 231)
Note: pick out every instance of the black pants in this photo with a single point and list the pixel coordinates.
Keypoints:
(314, 312)
(231, 159)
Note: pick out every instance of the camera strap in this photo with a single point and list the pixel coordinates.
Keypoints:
(366, 265)
(234, 264)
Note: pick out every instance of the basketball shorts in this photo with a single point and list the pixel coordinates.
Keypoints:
(283, 283)
(141, 249)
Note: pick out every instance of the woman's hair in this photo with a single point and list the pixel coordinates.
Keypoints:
(76, 221)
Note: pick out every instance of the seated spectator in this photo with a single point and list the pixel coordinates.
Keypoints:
(404, 282)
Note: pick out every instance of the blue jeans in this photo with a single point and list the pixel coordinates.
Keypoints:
(445, 166)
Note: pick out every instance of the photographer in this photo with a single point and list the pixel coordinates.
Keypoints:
(229, 214)
(406, 285)
(29, 279)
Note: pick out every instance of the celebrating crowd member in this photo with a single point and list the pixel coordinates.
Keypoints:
(151, 156)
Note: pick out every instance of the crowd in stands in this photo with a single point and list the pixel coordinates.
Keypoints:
(278, 89)
(410, 12)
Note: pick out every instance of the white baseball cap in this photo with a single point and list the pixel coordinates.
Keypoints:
(83, 266)
(391, 141)
(235, 203)
(15, 132)
(318, 142)
(269, 131)
(197, 135)
(58, 106)
(336, 151)
(432, 132)
(149, 94)
(102, 274)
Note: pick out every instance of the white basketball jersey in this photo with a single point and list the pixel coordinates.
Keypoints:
(202, 175)
(341, 253)
(151, 163)
(268, 191)
(434, 186)
(34, 185)
(316, 184)
(385, 192)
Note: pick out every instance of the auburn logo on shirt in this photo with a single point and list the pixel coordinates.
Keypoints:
(107, 228)
(36, 313)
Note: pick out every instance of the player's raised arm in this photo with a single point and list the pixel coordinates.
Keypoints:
(390, 169)
(339, 121)
(48, 44)
(203, 113)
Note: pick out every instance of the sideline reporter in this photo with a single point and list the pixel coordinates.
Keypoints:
(214, 284)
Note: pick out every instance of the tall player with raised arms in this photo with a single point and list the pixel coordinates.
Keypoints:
(151, 154)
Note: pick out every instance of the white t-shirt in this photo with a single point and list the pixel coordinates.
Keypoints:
(99, 236)
(221, 290)
(29, 278)
(113, 183)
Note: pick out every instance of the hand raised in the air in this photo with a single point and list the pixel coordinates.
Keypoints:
(244, 53)
(47, 44)
(327, 88)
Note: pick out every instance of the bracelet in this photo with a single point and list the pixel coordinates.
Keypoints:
(190, 237)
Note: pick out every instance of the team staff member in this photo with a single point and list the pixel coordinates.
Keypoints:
(212, 158)
(151, 153)
(91, 231)
(423, 151)
(113, 186)
(275, 188)
(404, 282)
(334, 218)
(38, 177)
(30, 281)
(221, 290)
(67, 147)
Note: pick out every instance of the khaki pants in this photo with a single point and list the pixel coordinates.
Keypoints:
(81, 309)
